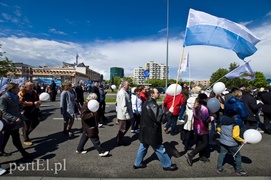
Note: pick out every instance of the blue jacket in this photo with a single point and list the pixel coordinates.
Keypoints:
(239, 108)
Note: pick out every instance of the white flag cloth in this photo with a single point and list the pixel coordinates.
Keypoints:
(184, 64)
(206, 29)
(243, 71)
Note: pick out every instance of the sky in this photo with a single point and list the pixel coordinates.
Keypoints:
(127, 34)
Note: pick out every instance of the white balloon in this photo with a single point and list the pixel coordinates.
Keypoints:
(170, 90)
(44, 96)
(133, 90)
(113, 86)
(252, 136)
(93, 105)
(1, 125)
(219, 87)
(213, 105)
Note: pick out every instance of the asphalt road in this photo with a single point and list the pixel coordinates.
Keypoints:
(54, 155)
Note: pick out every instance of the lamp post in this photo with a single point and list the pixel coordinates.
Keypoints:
(167, 45)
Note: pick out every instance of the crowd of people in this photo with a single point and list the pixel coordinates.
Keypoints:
(137, 109)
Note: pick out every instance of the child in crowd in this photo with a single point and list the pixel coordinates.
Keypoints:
(230, 139)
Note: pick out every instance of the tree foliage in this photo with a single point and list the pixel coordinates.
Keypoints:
(6, 65)
(219, 76)
(160, 82)
(116, 81)
(259, 81)
(130, 80)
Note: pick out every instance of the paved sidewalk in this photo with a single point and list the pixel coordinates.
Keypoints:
(49, 143)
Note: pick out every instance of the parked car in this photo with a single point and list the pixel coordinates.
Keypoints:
(161, 90)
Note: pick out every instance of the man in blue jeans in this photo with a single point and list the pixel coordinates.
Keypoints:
(151, 133)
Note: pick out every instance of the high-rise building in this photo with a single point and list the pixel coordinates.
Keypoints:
(138, 75)
(156, 71)
(116, 71)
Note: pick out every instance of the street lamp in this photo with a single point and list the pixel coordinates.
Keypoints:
(167, 45)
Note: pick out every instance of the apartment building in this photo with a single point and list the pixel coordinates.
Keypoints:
(156, 71)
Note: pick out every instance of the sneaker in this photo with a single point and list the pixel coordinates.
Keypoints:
(166, 130)
(173, 167)
(104, 154)
(140, 166)
(81, 152)
(28, 143)
(132, 131)
(117, 122)
(2, 171)
(100, 125)
(189, 159)
(260, 131)
(137, 131)
(181, 121)
(219, 170)
(71, 134)
(241, 173)
(204, 159)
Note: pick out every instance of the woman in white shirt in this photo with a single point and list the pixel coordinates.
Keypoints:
(137, 108)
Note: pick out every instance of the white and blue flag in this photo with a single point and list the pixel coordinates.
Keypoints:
(205, 29)
(243, 72)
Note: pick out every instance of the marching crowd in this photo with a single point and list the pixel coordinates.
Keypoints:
(137, 109)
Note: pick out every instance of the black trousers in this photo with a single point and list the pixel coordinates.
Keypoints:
(267, 120)
(124, 125)
(95, 141)
(15, 139)
(202, 142)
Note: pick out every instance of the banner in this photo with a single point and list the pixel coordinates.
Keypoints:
(184, 64)
(205, 29)
(244, 72)
(4, 81)
(146, 72)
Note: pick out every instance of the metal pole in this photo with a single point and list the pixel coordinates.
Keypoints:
(167, 45)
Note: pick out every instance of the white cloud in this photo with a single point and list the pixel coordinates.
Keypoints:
(52, 30)
(246, 23)
(129, 54)
(268, 14)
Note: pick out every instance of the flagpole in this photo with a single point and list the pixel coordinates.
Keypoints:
(178, 75)
(167, 45)
(189, 74)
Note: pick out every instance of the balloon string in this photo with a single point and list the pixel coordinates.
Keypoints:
(238, 150)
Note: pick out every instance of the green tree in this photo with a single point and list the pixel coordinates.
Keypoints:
(116, 81)
(130, 80)
(6, 65)
(219, 76)
(259, 81)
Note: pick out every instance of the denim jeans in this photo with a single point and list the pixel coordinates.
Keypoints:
(182, 110)
(211, 133)
(173, 123)
(227, 149)
(95, 141)
(160, 152)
